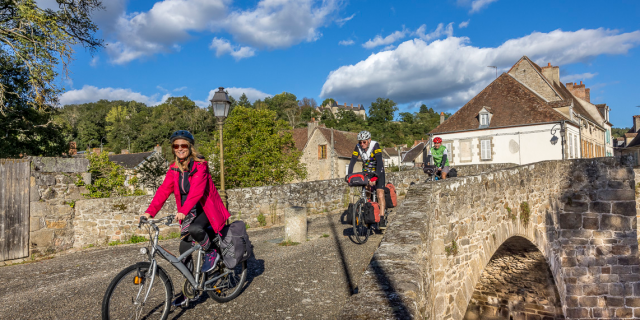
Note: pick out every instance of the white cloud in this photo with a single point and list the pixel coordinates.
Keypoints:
(341, 22)
(252, 95)
(464, 24)
(346, 42)
(574, 77)
(478, 5)
(380, 41)
(451, 71)
(92, 94)
(280, 23)
(271, 24)
(179, 89)
(94, 61)
(435, 34)
(223, 46)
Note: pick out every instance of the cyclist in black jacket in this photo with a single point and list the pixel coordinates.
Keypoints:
(371, 155)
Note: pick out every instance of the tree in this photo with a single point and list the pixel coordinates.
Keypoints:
(107, 179)
(258, 150)
(327, 101)
(619, 132)
(36, 43)
(381, 111)
(244, 101)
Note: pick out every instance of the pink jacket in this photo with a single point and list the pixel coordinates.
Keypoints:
(202, 191)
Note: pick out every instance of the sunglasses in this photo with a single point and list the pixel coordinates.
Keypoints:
(178, 146)
(362, 142)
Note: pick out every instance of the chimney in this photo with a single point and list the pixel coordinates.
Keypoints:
(352, 106)
(310, 126)
(96, 150)
(636, 123)
(124, 151)
(441, 117)
(552, 73)
(73, 148)
(580, 91)
(345, 104)
(158, 149)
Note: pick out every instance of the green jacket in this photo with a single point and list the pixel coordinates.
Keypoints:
(438, 154)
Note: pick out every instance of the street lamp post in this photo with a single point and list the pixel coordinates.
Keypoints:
(220, 103)
(101, 144)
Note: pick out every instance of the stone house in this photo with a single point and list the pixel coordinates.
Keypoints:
(334, 107)
(413, 157)
(391, 157)
(132, 162)
(325, 152)
(527, 115)
(630, 144)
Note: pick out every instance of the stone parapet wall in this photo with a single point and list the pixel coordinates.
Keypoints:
(67, 220)
(580, 214)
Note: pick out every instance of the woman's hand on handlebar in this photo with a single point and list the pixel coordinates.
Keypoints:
(146, 215)
(180, 216)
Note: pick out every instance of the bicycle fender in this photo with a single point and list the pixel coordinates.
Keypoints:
(160, 270)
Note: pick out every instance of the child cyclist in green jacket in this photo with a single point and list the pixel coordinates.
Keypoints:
(439, 155)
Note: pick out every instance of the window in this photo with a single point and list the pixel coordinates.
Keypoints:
(485, 149)
(484, 119)
(449, 152)
(322, 152)
(465, 151)
(575, 146)
(570, 146)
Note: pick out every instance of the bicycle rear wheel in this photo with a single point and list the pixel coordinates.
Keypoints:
(228, 287)
(123, 299)
(360, 229)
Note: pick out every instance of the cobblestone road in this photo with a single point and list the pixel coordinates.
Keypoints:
(308, 281)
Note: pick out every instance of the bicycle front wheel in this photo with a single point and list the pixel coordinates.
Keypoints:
(125, 295)
(360, 229)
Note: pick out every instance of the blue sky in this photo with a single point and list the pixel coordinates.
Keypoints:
(432, 52)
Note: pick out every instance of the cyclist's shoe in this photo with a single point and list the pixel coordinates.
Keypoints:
(180, 301)
(210, 260)
(383, 222)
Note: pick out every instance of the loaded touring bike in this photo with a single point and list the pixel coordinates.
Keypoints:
(357, 215)
(144, 290)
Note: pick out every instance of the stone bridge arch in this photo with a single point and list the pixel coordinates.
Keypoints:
(580, 214)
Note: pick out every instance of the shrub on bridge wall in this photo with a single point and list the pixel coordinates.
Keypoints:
(525, 212)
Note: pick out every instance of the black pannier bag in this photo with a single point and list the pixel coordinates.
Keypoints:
(349, 218)
(387, 198)
(429, 169)
(452, 173)
(371, 212)
(358, 179)
(234, 244)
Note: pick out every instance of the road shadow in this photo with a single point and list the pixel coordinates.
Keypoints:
(345, 268)
(400, 310)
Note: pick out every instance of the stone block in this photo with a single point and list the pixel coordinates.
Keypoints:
(591, 223)
(624, 312)
(620, 250)
(69, 165)
(616, 195)
(600, 207)
(614, 223)
(617, 184)
(295, 221)
(614, 301)
(41, 238)
(626, 208)
(570, 220)
(576, 206)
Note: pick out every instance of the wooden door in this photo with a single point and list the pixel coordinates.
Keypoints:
(14, 208)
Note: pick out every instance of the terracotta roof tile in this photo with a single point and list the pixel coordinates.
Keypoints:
(300, 137)
(511, 104)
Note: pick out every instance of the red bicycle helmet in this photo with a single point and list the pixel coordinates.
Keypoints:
(437, 140)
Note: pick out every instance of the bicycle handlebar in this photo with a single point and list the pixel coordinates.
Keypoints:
(153, 222)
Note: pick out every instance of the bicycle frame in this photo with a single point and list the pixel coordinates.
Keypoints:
(194, 279)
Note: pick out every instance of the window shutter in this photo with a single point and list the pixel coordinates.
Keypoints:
(485, 149)
(319, 152)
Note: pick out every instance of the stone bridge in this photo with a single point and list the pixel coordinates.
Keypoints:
(550, 240)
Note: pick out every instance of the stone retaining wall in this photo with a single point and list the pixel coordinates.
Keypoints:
(580, 214)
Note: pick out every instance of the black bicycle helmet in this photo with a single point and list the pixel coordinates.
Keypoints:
(182, 134)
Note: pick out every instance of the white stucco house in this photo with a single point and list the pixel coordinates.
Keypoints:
(526, 115)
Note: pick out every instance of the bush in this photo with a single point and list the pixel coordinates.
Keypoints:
(107, 179)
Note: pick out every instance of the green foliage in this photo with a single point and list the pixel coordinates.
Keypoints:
(452, 249)
(133, 239)
(327, 101)
(392, 169)
(511, 215)
(71, 203)
(244, 101)
(619, 132)
(525, 212)
(288, 243)
(107, 179)
(172, 235)
(262, 220)
(258, 150)
(324, 235)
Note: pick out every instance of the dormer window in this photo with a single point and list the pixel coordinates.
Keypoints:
(484, 117)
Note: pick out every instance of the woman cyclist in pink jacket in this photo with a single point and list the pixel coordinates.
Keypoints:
(199, 204)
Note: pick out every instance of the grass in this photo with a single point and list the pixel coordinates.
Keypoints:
(171, 235)
(324, 235)
(509, 214)
(452, 249)
(262, 220)
(134, 239)
(525, 212)
(288, 243)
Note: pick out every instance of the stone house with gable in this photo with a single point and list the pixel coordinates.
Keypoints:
(132, 162)
(527, 115)
(325, 152)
